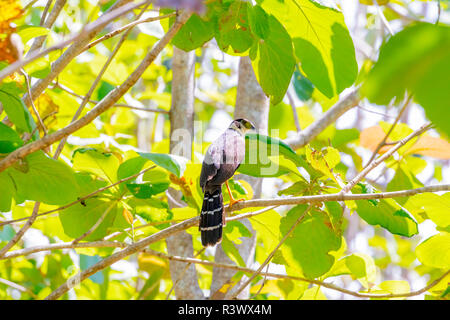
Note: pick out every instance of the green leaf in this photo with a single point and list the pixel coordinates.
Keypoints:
(266, 156)
(7, 233)
(308, 248)
(386, 213)
(234, 230)
(80, 218)
(28, 32)
(416, 59)
(259, 22)
(232, 28)
(403, 180)
(194, 33)
(130, 167)
(44, 179)
(15, 109)
(101, 164)
(151, 209)
(88, 184)
(274, 61)
(322, 43)
(296, 189)
(435, 251)
(343, 136)
(146, 190)
(231, 251)
(170, 162)
(359, 266)
(7, 191)
(9, 139)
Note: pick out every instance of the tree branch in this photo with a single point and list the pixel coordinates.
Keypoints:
(80, 40)
(107, 102)
(18, 287)
(312, 281)
(173, 229)
(329, 117)
(21, 232)
(335, 197)
(116, 244)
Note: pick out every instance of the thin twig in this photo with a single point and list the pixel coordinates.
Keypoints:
(118, 105)
(18, 287)
(383, 157)
(47, 22)
(375, 112)
(21, 232)
(127, 27)
(29, 4)
(44, 13)
(36, 113)
(96, 224)
(383, 19)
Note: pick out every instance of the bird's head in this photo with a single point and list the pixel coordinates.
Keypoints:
(242, 126)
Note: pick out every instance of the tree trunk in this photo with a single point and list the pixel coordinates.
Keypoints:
(184, 276)
(252, 104)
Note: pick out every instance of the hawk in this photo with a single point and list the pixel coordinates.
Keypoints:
(222, 159)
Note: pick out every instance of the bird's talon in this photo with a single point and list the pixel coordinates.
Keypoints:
(233, 201)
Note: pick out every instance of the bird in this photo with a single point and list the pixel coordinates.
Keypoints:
(222, 158)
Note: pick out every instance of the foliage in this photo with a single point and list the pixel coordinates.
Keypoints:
(112, 179)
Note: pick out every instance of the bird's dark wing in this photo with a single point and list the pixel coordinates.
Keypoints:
(211, 163)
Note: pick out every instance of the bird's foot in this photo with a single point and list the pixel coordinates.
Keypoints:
(234, 201)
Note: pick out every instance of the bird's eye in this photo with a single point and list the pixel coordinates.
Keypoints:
(238, 125)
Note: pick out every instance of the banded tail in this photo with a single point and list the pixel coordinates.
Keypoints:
(211, 218)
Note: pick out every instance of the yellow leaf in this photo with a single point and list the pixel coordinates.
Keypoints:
(313, 293)
(431, 146)
(394, 287)
(128, 216)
